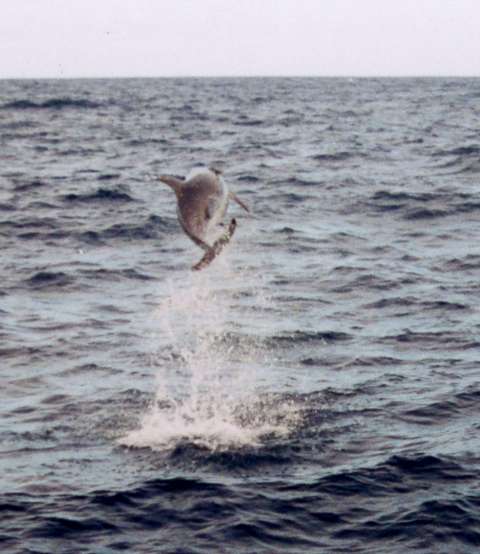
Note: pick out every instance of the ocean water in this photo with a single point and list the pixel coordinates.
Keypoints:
(316, 389)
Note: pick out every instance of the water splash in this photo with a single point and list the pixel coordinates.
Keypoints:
(212, 385)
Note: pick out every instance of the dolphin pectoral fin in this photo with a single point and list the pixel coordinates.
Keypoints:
(233, 196)
(217, 247)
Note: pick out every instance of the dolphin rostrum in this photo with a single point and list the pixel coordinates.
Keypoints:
(202, 201)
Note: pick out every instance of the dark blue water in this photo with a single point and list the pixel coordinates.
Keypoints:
(316, 389)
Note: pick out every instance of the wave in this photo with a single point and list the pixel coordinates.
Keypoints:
(464, 159)
(437, 412)
(423, 206)
(145, 141)
(100, 194)
(51, 103)
(450, 340)
(18, 352)
(15, 125)
(328, 513)
(245, 458)
(31, 185)
(44, 280)
(116, 275)
(425, 213)
(84, 369)
(463, 151)
(90, 237)
(28, 222)
(371, 282)
(63, 527)
(249, 122)
(153, 228)
(468, 263)
(410, 301)
(336, 157)
(467, 207)
(298, 182)
(248, 178)
(108, 176)
(40, 205)
(292, 198)
(400, 196)
(320, 336)
(286, 231)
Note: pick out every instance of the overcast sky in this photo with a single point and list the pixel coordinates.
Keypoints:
(91, 38)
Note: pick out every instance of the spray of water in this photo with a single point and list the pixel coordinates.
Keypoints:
(213, 374)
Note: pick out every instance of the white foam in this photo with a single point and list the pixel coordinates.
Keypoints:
(209, 392)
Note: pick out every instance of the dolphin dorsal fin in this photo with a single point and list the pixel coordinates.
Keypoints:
(173, 182)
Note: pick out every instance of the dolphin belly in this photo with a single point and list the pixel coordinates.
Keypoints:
(195, 228)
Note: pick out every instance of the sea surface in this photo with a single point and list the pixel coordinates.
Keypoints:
(315, 390)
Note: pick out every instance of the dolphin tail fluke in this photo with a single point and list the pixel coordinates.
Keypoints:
(217, 247)
(233, 196)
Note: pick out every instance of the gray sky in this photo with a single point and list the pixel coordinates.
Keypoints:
(84, 38)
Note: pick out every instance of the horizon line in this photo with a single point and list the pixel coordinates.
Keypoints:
(259, 76)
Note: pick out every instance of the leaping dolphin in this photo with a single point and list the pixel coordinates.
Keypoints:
(202, 201)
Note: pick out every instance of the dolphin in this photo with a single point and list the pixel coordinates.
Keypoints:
(202, 201)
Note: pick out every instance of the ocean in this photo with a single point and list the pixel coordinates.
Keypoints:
(315, 389)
